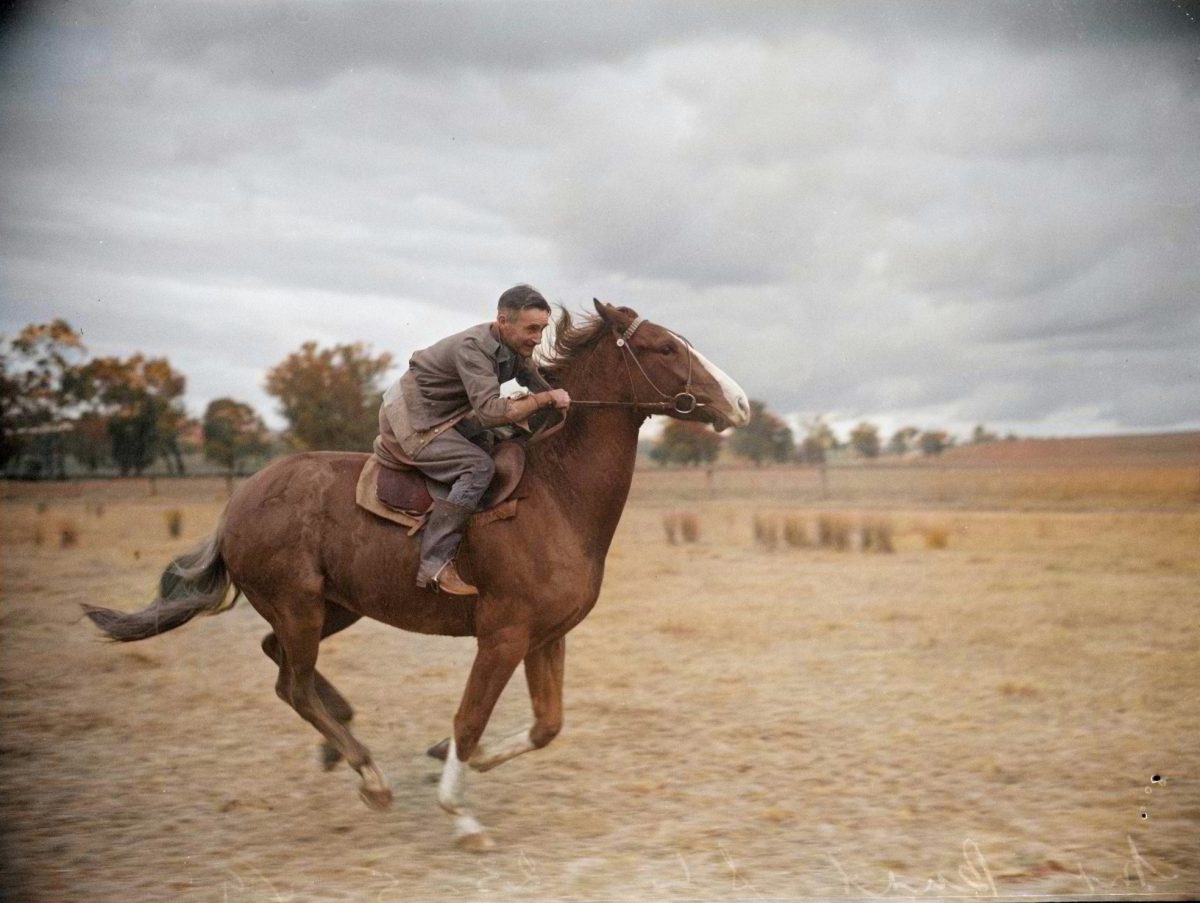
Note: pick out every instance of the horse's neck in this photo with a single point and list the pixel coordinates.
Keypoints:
(589, 466)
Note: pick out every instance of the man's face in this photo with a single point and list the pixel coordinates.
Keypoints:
(522, 331)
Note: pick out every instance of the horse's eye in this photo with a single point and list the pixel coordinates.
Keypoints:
(667, 349)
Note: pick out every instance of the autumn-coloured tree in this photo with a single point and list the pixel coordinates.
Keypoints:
(36, 380)
(330, 396)
(686, 442)
(89, 442)
(818, 441)
(902, 441)
(139, 398)
(765, 438)
(865, 439)
(232, 433)
(933, 442)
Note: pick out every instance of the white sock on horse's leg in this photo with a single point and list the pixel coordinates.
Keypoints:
(452, 798)
(450, 787)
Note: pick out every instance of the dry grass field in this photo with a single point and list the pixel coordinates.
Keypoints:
(1005, 704)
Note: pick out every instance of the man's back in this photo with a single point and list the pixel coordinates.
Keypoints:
(462, 370)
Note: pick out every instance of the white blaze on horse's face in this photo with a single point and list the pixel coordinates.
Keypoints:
(735, 395)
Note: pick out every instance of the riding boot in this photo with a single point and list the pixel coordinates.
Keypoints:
(440, 539)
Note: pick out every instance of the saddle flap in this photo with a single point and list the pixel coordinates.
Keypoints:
(403, 490)
(510, 467)
(410, 490)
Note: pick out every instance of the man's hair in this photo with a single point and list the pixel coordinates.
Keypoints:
(519, 298)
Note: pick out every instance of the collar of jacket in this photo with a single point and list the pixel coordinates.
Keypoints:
(495, 347)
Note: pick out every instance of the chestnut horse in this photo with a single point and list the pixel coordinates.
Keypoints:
(311, 562)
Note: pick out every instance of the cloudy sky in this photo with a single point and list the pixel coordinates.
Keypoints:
(931, 213)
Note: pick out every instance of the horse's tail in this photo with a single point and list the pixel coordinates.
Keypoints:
(196, 582)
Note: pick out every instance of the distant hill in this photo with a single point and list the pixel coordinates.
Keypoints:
(1162, 448)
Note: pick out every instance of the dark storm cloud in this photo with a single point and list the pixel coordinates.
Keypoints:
(947, 210)
(299, 44)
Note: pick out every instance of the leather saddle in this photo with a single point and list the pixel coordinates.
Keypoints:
(411, 492)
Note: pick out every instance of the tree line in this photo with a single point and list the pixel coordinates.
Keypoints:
(125, 413)
(768, 439)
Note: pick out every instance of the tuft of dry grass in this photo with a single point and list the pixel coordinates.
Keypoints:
(671, 628)
(766, 530)
(681, 526)
(936, 537)
(877, 535)
(795, 532)
(68, 534)
(174, 519)
(1019, 691)
(777, 815)
(689, 527)
(835, 531)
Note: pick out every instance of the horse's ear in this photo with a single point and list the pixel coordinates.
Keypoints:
(617, 318)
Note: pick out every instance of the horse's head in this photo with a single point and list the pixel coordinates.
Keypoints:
(668, 374)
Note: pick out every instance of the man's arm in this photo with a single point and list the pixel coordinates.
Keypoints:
(476, 369)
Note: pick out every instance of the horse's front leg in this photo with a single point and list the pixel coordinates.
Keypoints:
(544, 674)
(495, 660)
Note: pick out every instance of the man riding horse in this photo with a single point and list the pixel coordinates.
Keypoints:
(440, 418)
(312, 561)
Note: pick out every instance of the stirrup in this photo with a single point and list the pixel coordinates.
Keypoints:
(457, 586)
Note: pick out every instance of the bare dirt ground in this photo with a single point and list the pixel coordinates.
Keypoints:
(984, 719)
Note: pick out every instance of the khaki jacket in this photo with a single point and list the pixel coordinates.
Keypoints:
(459, 376)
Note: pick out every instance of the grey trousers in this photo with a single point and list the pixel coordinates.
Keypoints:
(453, 458)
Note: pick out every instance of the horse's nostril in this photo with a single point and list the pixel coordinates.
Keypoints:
(743, 404)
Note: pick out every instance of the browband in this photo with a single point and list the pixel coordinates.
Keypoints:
(628, 333)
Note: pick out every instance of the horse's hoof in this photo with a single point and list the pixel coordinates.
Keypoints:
(440, 750)
(378, 800)
(328, 756)
(476, 842)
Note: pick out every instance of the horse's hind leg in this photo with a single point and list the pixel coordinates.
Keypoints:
(298, 629)
(337, 618)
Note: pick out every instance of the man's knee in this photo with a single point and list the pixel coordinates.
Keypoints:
(480, 474)
(484, 469)
(472, 483)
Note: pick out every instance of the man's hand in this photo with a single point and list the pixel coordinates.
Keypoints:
(561, 399)
(519, 409)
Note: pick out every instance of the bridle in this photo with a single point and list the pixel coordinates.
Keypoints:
(682, 402)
